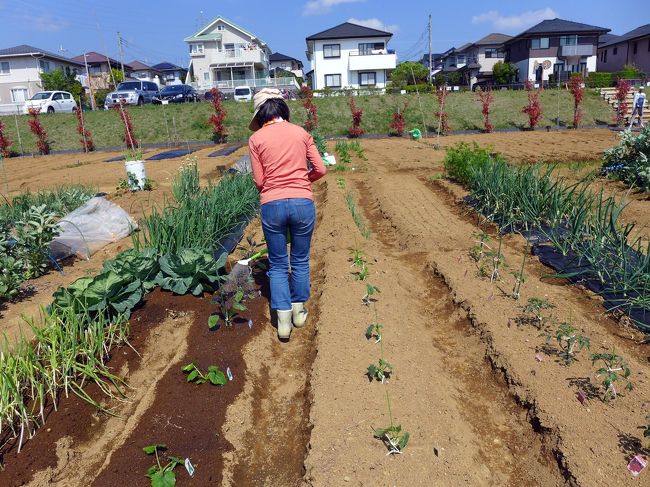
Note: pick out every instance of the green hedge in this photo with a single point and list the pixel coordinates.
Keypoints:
(600, 80)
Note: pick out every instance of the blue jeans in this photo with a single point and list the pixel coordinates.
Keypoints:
(296, 217)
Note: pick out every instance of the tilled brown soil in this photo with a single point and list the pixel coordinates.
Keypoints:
(485, 400)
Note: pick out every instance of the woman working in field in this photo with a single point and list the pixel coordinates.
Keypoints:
(279, 153)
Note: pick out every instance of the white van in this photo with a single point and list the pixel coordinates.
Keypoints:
(243, 93)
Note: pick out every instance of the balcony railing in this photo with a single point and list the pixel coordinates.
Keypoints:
(223, 56)
(372, 59)
(288, 82)
(577, 50)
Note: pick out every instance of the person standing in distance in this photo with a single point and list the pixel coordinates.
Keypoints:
(637, 106)
(280, 152)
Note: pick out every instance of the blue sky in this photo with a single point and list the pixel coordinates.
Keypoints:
(154, 30)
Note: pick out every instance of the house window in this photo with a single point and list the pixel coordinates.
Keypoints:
(569, 40)
(221, 27)
(170, 76)
(615, 51)
(19, 95)
(366, 48)
(634, 46)
(332, 80)
(368, 79)
(603, 56)
(461, 59)
(331, 50)
(4, 67)
(206, 76)
(44, 65)
(539, 43)
(490, 53)
(196, 48)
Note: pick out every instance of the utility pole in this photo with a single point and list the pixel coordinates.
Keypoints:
(430, 60)
(119, 46)
(90, 86)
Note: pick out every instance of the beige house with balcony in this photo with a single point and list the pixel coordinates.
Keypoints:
(225, 55)
(350, 56)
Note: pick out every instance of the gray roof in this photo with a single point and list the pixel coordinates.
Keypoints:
(463, 47)
(348, 30)
(560, 26)
(494, 38)
(140, 66)
(606, 38)
(277, 57)
(26, 50)
(642, 31)
(165, 66)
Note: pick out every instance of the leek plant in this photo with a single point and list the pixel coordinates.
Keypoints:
(576, 221)
(201, 216)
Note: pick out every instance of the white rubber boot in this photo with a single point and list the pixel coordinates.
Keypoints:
(284, 324)
(299, 314)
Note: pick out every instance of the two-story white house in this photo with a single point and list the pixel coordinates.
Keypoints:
(171, 74)
(350, 55)
(20, 73)
(224, 55)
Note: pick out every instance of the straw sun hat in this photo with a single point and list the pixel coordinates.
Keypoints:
(259, 99)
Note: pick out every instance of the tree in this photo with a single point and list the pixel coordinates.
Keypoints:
(577, 89)
(116, 74)
(503, 73)
(409, 73)
(58, 80)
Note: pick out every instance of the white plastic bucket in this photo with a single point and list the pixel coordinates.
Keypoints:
(137, 169)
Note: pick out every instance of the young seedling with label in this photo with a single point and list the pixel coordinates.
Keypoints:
(374, 331)
(534, 307)
(214, 375)
(162, 476)
(568, 338)
(497, 261)
(370, 291)
(520, 277)
(230, 304)
(479, 250)
(393, 437)
(614, 369)
(380, 371)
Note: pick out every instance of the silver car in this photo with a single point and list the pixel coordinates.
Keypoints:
(132, 93)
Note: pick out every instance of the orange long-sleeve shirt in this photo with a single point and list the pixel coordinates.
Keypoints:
(279, 155)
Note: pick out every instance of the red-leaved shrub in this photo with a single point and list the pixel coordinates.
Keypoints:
(486, 98)
(441, 114)
(622, 89)
(42, 144)
(577, 89)
(129, 136)
(534, 107)
(307, 96)
(357, 114)
(5, 143)
(218, 117)
(86, 137)
(398, 124)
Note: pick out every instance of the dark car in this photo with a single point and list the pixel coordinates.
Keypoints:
(177, 94)
(208, 96)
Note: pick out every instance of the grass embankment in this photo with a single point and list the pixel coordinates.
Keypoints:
(189, 122)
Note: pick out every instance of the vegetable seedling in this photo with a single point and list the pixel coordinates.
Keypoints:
(478, 251)
(162, 476)
(374, 330)
(614, 368)
(394, 438)
(370, 291)
(497, 261)
(568, 338)
(214, 375)
(535, 307)
(381, 371)
(230, 305)
(340, 182)
(520, 278)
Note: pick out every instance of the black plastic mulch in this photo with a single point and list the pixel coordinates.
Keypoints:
(226, 151)
(171, 154)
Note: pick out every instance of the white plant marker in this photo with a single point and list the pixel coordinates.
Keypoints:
(189, 467)
(228, 373)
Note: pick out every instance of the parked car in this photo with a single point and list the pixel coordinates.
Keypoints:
(51, 101)
(207, 96)
(177, 94)
(132, 93)
(243, 93)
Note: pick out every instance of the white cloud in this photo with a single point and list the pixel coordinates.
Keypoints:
(375, 23)
(45, 22)
(316, 7)
(512, 22)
